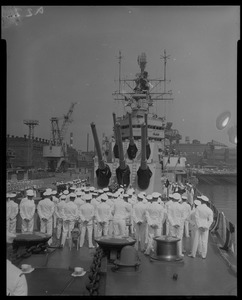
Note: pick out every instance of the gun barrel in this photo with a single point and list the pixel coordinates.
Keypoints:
(143, 164)
(146, 122)
(97, 145)
(131, 138)
(120, 147)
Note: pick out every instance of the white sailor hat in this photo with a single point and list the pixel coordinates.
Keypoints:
(79, 193)
(171, 196)
(106, 189)
(30, 193)
(109, 194)
(115, 195)
(72, 195)
(104, 197)
(125, 196)
(72, 188)
(54, 192)
(91, 189)
(48, 190)
(197, 202)
(176, 196)
(184, 196)
(66, 192)
(121, 190)
(47, 193)
(129, 192)
(88, 197)
(100, 191)
(12, 195)
(155, 195)
(63, 197)
(95, 193)
(10, 237)
(204, 198)
(149, 197)
(140, 196)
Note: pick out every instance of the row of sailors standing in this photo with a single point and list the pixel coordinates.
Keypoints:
(117, 214)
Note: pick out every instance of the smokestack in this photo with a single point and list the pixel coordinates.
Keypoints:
(88, 141)
(71, 139)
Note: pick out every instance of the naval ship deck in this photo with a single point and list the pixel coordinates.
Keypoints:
(196, 276)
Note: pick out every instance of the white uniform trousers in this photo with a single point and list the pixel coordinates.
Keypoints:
(119, 227)
(95, 228)
(177, 232)
(110, 228)
(46, 227)
(59, 225)
(140, 235)
(89, 228)
(152, 232)
(12, 225)
(200, 242)
(128, 226)
(67, 228)
(102, 229)
(167, 228)
(27, 225)
(54, 220)
(186, 228)
(8, 224)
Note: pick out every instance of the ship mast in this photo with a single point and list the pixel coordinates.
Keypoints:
(119, 73)
(141, 95)
(165, 57)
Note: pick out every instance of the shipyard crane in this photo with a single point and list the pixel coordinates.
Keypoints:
(55, 152)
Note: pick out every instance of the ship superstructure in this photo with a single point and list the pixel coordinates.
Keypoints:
(140, 152)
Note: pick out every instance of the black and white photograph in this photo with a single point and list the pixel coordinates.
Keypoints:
(121, 149)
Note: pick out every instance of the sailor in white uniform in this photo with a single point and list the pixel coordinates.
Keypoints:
(167, 205)
(96, 200)
(192, 224)
(120, 211)
(46, 210)
(27, 210)
(70, 215)
(187, 212)
(12, 211)
(128, 221)
(59, 211)
(155, 215)
(176, 218)
(86, 215)
(16, 281)
(110, 202)
(203, 220)
(139, 220)
(55, 200)
(102, 215)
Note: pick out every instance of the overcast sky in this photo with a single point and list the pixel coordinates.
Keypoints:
(69, 54)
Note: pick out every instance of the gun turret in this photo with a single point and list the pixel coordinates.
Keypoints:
(122, 163)
(103, 172)
(144, 173)
(148, 150)
(143, 163)
(123, 171)
(132, 149)
(115, 147)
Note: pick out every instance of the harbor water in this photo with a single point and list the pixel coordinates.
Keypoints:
(224, 197)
